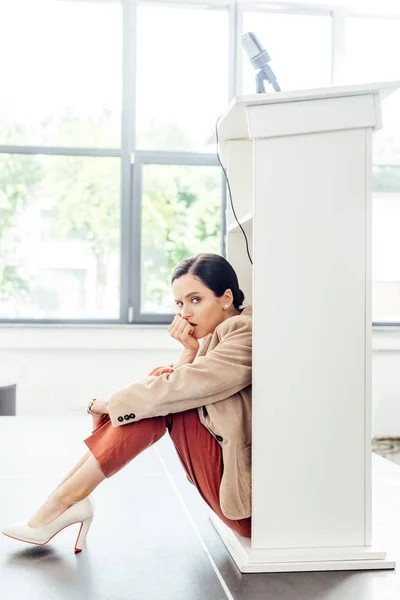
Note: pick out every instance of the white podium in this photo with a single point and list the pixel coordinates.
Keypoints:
(299, 165)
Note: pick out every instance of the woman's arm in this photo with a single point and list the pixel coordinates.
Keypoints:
(216, 376)
(101, 406)
(186, 357)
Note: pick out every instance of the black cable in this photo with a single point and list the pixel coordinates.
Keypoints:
(229, 189)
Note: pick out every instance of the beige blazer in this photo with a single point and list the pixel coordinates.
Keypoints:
(218, 384)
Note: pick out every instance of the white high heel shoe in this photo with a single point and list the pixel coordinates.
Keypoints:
(80, 512)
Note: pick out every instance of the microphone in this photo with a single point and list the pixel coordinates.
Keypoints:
(259, 58)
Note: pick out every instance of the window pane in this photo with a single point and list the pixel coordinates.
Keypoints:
(182, 68)
(59, 237)
(61, 82)
(386, 245)
(299, 47)
(181, 216)
(372, 50)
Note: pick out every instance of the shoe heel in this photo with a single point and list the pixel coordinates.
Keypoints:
(80, 540)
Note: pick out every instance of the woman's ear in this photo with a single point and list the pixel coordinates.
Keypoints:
(228, 296)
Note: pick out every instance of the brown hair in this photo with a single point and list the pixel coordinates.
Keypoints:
(215, 272)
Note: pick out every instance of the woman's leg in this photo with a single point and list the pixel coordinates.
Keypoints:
(78, 486)
(88, 454)
(201, 457)
(110, 449)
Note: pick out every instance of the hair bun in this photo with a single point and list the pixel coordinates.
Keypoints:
(240, 298)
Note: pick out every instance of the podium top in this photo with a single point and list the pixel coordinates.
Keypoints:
(236, 110)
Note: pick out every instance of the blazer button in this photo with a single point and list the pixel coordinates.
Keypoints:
(219, 438)
(132, 415)
(126, 417)
(120, 419)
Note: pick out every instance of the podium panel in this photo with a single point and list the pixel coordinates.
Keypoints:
(309, 341)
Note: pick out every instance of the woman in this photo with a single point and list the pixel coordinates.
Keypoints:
(203, 400)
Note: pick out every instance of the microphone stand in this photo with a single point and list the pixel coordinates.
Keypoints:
(266, 75)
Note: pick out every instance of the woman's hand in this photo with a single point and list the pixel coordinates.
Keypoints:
(157, 371)
(182, 330)
(100, 407)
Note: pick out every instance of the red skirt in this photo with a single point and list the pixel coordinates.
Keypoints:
(198, 451)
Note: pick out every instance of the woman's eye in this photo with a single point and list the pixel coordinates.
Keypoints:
(194, 298)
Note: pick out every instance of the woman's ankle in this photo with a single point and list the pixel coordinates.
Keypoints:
(50, 510)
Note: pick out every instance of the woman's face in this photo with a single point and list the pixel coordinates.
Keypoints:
(198, 304)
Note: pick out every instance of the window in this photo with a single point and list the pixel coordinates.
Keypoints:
(61, 82)
(60, 168)
(372, 48)
(60, 214)
(182, 75)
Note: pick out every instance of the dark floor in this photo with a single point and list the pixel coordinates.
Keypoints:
(151, 538)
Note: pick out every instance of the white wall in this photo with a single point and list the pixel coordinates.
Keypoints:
(58, 370)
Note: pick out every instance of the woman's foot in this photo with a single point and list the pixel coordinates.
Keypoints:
(54, 506)
(80, 512)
